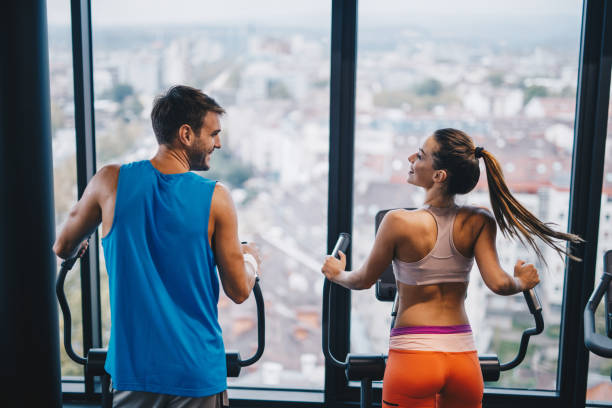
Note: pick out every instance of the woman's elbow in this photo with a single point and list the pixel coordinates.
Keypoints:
(498, 290)
(363, 285)
(503, 288)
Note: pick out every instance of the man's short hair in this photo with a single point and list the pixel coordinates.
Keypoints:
(181, 105)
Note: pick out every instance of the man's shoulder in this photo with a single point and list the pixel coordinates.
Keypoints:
(221, 192)
(222, 203)
(110, 168)
(107, 174)
(104, 182)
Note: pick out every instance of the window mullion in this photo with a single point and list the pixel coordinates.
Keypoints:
(86, 167)
(340, 191)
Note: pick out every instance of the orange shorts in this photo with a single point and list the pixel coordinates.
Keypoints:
(432, 379)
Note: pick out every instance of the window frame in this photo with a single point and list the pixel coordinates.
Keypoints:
(585, 192)
(82, 61)
(590, 133)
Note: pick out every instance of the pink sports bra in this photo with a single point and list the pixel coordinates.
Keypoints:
(444, 263)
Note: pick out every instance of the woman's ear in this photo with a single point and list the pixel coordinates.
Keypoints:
(440, 176)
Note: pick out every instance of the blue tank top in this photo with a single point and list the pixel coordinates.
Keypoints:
(165, 334)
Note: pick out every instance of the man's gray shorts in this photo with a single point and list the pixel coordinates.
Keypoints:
(138, 399)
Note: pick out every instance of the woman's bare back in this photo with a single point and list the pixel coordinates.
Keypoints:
(440, 304)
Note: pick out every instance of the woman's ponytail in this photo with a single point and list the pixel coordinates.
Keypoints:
(516, 221)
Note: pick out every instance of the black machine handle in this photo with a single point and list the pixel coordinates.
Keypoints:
(535, 308)
(342, 244)
(94, 362)
(61, 297)
(261, 327)
(597, 343)
(233, 360)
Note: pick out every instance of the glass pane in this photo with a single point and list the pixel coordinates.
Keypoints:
(268, 66)
(64, 161)
(599, 386)
(504, 73)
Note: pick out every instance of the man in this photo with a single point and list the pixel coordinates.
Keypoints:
(164, 230)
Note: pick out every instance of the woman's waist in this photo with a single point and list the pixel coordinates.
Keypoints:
(431, 313)
(444, 295)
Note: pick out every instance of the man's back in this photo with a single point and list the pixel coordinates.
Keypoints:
(165, 337)
(159, 223)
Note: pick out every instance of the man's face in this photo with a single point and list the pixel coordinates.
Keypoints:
(205, 142)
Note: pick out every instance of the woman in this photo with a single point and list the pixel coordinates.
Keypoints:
(432, 356)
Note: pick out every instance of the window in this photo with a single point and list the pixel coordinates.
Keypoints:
(507, 76)
(256, 67)
(64, 160)
(269, 68)
(599, 388)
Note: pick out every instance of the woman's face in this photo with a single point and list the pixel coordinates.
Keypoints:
(421, 164)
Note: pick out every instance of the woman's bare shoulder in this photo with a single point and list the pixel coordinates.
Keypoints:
(476, 215)
(411, 219)
(401, 214)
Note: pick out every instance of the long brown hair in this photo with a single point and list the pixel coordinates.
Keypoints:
(459, 157)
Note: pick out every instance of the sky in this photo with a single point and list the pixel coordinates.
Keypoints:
(298, 12)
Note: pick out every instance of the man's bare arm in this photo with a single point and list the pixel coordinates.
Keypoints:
(86, 214)
(236, 278)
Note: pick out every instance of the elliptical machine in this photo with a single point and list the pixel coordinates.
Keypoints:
(95, 358)
(597, 343)
(367, 368)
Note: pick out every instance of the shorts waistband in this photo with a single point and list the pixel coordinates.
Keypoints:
(462, 328)
(451, 342)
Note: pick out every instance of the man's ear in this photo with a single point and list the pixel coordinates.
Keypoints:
(185, 135)
(440, 176)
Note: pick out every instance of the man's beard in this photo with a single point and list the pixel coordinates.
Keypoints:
(197, 160)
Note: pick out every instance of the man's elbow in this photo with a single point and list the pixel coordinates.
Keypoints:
(238, 299)
(61, 249)
(240, 296)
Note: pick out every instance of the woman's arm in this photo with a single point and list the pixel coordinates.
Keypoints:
(379, 258)
(496, 279)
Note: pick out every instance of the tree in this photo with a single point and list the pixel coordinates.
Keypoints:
(229, 169)
(278, 90)
(120, 92)
(429, 87)
(496, 79)
(535, 91)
